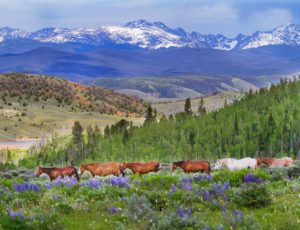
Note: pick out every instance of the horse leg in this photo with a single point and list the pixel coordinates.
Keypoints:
(76, 175)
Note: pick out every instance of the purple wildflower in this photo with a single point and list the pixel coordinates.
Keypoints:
(14, 215)
(137, 182)
(181, 213)
(206, 195)
(236, 214)
(223, 207)
(189, 212)
(221, 227)
(114, 210)
(173, 188)
(242, 216)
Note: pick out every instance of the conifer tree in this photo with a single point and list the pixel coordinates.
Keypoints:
(187, 106)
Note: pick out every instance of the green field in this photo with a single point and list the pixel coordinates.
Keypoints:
(46, 119)
(211, 103)
(262, 199)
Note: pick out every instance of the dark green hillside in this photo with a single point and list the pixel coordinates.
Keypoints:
(263, 123)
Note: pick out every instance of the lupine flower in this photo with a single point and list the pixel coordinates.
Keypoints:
(206, 195)
(249, 178)
(226, 185)
(58, 182)
(94, 184)
(25, 187)
(48, 185)
(189, 212)
(206, 228)
(181, 213)
(55, 197)
(236, 215)
(108, 211)
(223, 207)
(215, 203)
(14, 215)
(242, 216)
(119, 181)
(221, 227)
(114, 210)
(137, 182)
(70, 181)
(173, 188)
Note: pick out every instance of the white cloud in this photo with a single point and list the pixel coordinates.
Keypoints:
(271, 18)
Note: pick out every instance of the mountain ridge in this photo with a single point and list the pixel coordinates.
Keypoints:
(150, 36)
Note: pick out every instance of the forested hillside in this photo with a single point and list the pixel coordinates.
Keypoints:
(266, 122)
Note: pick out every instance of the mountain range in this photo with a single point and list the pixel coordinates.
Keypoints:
(153, 60)
(145, 35)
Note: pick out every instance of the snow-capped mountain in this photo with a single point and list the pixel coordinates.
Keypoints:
(152, 36)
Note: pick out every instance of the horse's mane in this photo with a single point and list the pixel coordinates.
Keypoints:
(178, 163)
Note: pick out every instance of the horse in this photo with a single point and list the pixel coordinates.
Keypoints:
(102, 169)
(141, 168)
(271, 161)
(189, 166)
(55, 172)
(236, 164)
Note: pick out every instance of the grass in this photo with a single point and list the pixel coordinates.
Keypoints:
(44, 119)
(86, 208)
(211, 103)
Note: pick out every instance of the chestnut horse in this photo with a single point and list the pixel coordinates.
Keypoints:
(269, 161)
(141, 168)
(102, 169)
(189, 166)
(54, 172)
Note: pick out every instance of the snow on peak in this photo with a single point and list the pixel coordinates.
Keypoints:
(155, 35)
(288, 34)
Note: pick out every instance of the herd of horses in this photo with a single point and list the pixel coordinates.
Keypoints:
(188, 166)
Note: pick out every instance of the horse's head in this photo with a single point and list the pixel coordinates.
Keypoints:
(123, 166)
(39, 171)
(174, 166)
(82, 169)
(259, 161)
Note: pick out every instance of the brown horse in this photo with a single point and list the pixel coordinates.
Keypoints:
(102, 169)
(270, 161)
(54, 172)
(141, 168)
(189, 166)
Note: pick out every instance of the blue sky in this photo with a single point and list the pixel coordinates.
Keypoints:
(206, 16)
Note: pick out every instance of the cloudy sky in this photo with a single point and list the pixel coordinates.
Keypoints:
(228, 17)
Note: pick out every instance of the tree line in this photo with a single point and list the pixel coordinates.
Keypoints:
(263, 123)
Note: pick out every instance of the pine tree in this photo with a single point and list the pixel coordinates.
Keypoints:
(151, 115)
(201, 108)
(77, 133)
(187, 106)
(125, 137)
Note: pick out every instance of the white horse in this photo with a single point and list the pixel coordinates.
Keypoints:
(235, 164)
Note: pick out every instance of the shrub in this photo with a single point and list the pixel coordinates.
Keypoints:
(294, 170)
(252, 195)
(239, 221)
(278, 173)
(139, 208)
(63, 208)
(235, 177)
(175, 221)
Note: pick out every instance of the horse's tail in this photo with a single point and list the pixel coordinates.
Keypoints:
(209, 168)
(156, 167)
